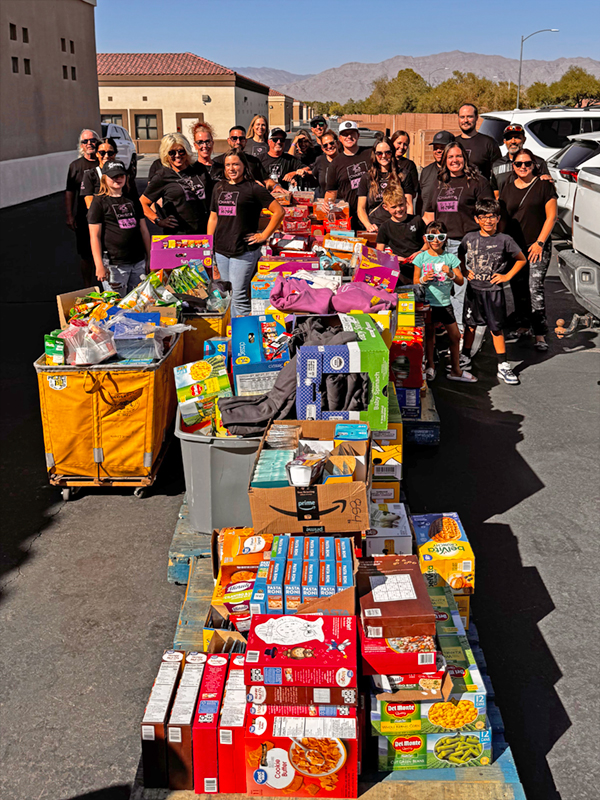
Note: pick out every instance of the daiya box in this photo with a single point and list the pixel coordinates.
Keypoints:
(445, 555)
(302, 695)
(302, 650)
(179, 729)
(368, 356)
(322, 508)
(302, 756)
(397, 655)
(154, 722)
(205, 728)
(232, 773)
(434, 750)
(390, 531)
(255, 359)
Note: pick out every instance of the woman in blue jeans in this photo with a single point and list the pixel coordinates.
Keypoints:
(235, 208)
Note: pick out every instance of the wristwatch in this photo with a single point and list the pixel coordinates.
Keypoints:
(541, 244)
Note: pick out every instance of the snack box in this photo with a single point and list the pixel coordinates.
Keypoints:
(179, 728)
(261, 709)
(206, 721)
(302, 756)
(390, 530)
(302, 650)
(403, 655)
(241, 546)
(255, 358)
(406, 358)
(233, 589)
(377, 268)
(260, 291)
(386, 460)
(170, 252)
(154, 721)
(445, 554)
(393, 598)
(302, 695)
(406, 307)
(232, 773)
(434, 750)
(385, 491)
(287, 266)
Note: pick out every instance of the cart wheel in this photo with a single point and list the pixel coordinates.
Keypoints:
(66, 494)
(139, 492)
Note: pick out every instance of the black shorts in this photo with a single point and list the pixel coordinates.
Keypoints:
(485, 308)
(443, 314)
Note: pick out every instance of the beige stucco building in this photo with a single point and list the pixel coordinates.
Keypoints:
(151, 94)
(281, 109)
(49, 92)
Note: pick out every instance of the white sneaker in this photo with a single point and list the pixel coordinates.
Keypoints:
(464, 363)
(506, 374)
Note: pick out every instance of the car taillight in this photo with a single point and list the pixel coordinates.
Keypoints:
(569, 174)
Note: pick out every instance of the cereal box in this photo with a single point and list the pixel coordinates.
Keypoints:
(397, 655)
(302, 695)
(435, 750)
(232, 773)
(179, 729)
(445, 555)
(302, 756)
(302, 650)
(205, 728)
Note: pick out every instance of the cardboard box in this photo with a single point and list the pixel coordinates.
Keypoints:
(434, 750)
(386, 460)
(385, 491)
(467, 682)
(302, 650)
(65, 303)
(415, 686)
(276, 764)
(179, 728)
(397, 655)
(393, 598)
(404, 716)
(241, 546)
(323, 508)
(463, 602)
(260, 292)
(390, 530)
(232, 771)
(448, 621)
(377, 268)
(406, 358)
(205, 728)
(287, 266)
(387, 323)
(261, 709)
(217, 346)
(302, 695)
(255, 365)
(170, 252)
(154, 722)
(368, 355)
(407, 307)
(445, 554)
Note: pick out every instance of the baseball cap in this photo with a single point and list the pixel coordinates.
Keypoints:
(114, 168)
(511, 129)
(316, 120)
(443, 138)
(275, 133)
(348, 125)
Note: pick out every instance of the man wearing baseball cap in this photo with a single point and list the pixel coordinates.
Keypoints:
(502, 169)
(429, 174)
(281, 167)
(318, 126)
(345, 172)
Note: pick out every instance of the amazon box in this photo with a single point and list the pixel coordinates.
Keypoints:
(322, 508)
(206, 721)
(179, 729)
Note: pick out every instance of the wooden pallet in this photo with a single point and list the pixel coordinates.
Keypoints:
(196, 602)
(185, 545)
(426, 428)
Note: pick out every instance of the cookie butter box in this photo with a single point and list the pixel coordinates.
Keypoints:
(302, 650)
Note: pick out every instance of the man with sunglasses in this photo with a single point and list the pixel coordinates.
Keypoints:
(502, 168)
(237, 141)
(75, 207)
(344, 174)
(281, 168)
(318, 126)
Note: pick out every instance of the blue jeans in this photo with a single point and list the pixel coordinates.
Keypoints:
(458, 296)
(122, 278)
(239, 271)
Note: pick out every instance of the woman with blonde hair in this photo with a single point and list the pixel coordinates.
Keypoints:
(257, 144)
(184, 188)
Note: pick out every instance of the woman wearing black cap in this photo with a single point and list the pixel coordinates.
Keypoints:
(117, 227)
(429, 174)
(90, 185)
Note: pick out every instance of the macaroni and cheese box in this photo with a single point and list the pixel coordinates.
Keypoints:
(310, 580)
(327, 579)
(179, 729)
(206, 721)
(293, 586)
(397, 655)
(275, 590)
(302, 650)
(445, 555)
(435, 750)
(302, 695)
(242, 547)
(232, 773)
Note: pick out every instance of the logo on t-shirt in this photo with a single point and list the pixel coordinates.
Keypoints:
(193, 188)
(125, 214)
(355, 173)
(448, 199)
(228, 204)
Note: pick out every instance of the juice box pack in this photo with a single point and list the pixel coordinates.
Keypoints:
(445, 555)
(435, 750)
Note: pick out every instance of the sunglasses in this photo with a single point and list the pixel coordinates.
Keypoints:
(435, 237)
(349, 132)
(383, 152)
(281, 141)
(488, 217)
(107, 152)
(327, 145)
(524, 164)
(89, 141)
(174, 153)
(203, 142)
(514, 129)
(237, 138)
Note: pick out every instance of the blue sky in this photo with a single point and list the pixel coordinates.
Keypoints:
(305, 36)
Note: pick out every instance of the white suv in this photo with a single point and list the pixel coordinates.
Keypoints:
(547, 129)
(582, 150)
(126, 151)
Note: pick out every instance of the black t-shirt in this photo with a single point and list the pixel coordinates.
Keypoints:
(155, 167)
(256, 149)
(403, 238)
(319, 170)
(310, 156)
(486, 256)
(256, 168)
(375, 210)
(482, 151)
(185, 194)
(409, 176)
(344, 175)
(278, 166)
(238, 207)
(77, 170)
(503, 172)
(428, 182)
(90, 185)
(525, 210)
(453, 203)
(120, 219)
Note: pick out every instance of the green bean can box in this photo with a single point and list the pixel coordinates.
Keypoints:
(434, 750)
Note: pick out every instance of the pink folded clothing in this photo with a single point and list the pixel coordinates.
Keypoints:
(362, 297)
(292, 294)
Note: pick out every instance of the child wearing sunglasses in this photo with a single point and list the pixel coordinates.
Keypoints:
(437, 271)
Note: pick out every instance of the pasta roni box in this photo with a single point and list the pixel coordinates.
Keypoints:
(302, 756)
(206, 719)
(445, 555)
(256, 356)
(232, 774)
(435, 750)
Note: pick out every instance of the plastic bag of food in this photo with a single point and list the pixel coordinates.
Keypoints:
(87, 343)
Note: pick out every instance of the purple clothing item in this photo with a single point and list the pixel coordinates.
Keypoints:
(362, 297)
(298, 296)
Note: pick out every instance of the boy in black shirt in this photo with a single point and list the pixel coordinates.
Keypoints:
(485, 257)
(402, 233)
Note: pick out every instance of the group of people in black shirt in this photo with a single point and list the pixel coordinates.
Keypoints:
(224, 197)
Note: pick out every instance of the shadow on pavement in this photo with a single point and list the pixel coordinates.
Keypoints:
(120, 792)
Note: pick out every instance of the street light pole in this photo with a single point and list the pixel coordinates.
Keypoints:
(524, 39)
(439, 69)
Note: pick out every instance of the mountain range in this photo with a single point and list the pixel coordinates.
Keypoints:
(355, 79)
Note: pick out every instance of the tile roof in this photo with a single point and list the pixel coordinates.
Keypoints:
(158, 64)
(275, 93)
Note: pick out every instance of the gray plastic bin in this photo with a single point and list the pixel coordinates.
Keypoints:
(217, 471)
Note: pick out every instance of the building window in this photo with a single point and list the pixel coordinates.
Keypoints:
(72, 45)
(25, 32)
(73, 74)
(65, 73)
(145, 98)
(13, 32)
(27, 66)
(111, 119)
(15, 64)
(109, 99)
(145, 126)
(63, 45)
